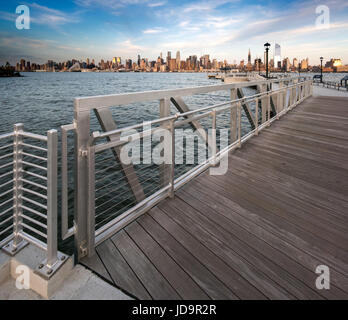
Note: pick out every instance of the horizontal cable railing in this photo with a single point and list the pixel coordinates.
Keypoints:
(28, 203)
(119, 191)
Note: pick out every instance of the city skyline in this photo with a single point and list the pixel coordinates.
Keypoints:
(190, 64)
(225, 29)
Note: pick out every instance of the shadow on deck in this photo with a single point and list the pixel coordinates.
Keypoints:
(258, 232)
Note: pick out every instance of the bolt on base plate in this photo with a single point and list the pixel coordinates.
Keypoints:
(47, 272)
(12, 250)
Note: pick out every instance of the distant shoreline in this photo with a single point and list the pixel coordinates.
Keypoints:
(9, 73)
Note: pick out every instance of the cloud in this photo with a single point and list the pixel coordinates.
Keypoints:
(48, 16)
(8, 16)
(154, 30)
(156, 4)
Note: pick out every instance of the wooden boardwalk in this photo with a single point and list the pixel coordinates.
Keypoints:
(258, 232)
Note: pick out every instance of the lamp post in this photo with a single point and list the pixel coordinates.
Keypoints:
(321, 69)
(267, 45)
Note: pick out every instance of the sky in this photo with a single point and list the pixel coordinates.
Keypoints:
(225, 29)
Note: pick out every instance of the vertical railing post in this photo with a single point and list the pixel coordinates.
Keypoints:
(164, 112)
(213, 137)
(256, 116)
(91, 197)
(233, 117)
(239, 124)
(82, 125)
(172, 165)
(269, 108)
(52, 218)
(18, 184)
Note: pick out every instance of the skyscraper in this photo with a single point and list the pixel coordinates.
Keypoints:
(249, 57)
(178, 60)
(277, 55)
(169, 57)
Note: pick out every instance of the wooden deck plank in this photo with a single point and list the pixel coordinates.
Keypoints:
(175, 275)
(239, 232)
(157, 286)
(259, 176)
(122, 275)
(276, 237)
(96, 265)
(300, 238)
(291, 211)
(309, 171)
(202, 276)
(218, 267)
(187, 217)
(257, 232)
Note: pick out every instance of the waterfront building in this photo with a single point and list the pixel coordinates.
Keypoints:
(277, 56)
(172, 65)
(286, 65)
(178, 60)
(304, 64)
(169, 57)
(295, 63)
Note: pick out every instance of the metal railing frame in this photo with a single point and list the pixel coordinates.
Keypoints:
(87, 237)
(19, 238)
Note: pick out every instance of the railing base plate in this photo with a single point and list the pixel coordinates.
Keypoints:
(46, 272)
(12, 250)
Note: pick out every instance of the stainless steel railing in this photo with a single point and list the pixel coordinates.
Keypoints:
(111, 202)
(110, 193)
(28, 177)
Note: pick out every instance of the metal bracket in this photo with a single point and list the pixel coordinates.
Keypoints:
(47, 272)
(12, 250)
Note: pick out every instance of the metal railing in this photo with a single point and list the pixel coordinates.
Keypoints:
(331, 85)
(28, 180)
(110, 193)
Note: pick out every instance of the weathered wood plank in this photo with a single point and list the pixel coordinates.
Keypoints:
(122, 275)
(218, 267)
(214, 288)
(188, 218)
(175, 275)
(157, 286)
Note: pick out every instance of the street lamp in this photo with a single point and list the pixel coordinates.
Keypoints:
(267, 45)
(321, 69)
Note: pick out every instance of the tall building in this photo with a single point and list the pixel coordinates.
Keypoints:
(172, 65)
(286, 64)
(304, 64)
(169, 57)
(178, 60)
(277, 56)
(138, 60)
(295, 63)
(249, 57)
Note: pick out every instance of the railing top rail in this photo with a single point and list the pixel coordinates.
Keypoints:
(6, 135)
(97, 135)
(84, 104)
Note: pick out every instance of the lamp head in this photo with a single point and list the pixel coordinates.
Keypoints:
(267, 45)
